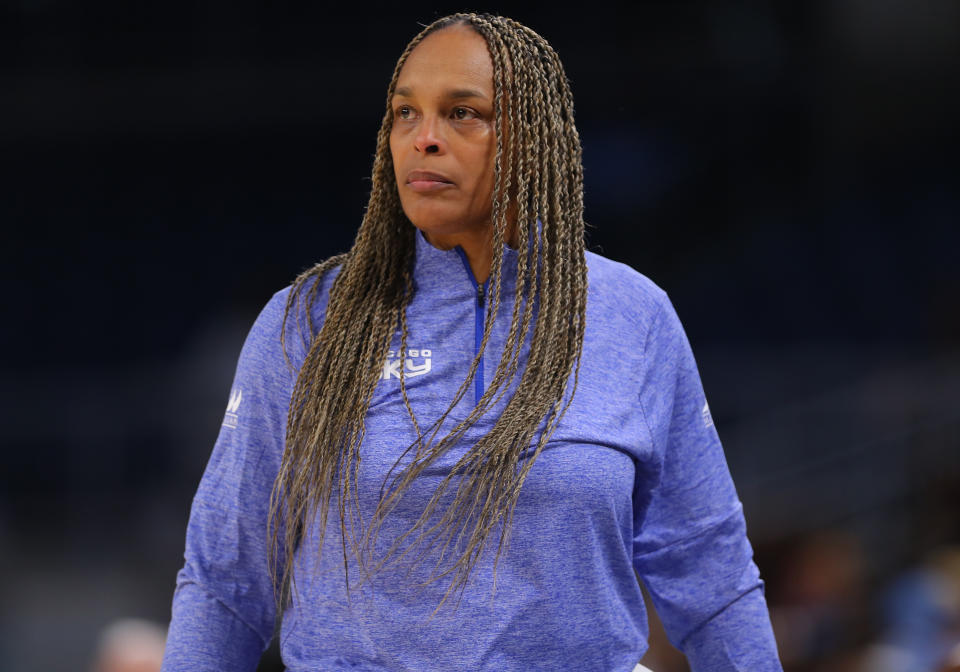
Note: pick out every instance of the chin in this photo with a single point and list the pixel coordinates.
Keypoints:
(443, 224)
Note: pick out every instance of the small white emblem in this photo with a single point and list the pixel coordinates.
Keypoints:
(707, 418)
(230, 418)
(412, 368)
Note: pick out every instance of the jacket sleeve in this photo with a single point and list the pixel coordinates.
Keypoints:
(690, 544)
(223, 607)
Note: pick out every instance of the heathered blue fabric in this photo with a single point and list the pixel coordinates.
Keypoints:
(634, 478)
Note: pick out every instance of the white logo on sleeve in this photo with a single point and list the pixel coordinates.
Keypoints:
(417, 362)
(230, 418)
(707, 418)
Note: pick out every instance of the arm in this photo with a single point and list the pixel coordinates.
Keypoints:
(223, 607)
(690, 544)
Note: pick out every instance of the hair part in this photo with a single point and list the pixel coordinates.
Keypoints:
(538, 176)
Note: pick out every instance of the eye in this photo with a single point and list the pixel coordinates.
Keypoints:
(463, 113)
(404, 112)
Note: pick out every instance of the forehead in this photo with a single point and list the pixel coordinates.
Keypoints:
(451, 57)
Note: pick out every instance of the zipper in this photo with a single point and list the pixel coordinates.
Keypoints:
(479, 306)
(478, 339)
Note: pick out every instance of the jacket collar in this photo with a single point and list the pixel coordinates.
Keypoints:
(446, 273)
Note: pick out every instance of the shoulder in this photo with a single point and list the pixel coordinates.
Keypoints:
(621, 295)
(308, 295)
(292, 317)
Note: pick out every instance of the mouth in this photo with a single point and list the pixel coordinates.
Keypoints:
(426, 180)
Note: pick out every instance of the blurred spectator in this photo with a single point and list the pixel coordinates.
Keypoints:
(130, 645)
(921, 619)
(953, 661)
(817, 610)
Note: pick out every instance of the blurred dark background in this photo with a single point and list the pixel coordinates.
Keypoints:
(786, 171)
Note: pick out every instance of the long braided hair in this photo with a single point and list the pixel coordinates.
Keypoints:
(538, 188)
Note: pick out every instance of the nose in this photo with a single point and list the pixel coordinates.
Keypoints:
(429, 138)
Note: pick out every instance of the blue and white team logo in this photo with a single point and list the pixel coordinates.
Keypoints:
(707, 418)
(416, 363)
(231, 418)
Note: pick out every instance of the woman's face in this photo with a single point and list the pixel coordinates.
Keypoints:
(443, 139)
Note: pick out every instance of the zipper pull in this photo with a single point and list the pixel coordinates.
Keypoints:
(480, 295)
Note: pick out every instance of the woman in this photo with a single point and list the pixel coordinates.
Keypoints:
(468, 405)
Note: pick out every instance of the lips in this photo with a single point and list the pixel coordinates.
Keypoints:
(428, 182)
(427, 176)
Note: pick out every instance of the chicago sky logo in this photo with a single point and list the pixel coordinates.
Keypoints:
(417, 363)
(230, 418)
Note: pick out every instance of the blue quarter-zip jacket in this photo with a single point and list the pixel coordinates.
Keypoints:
(633, 479)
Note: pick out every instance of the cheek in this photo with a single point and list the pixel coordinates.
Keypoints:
(394, 159)
(488, 176)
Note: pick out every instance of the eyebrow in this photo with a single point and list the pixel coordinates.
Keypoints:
(452, 94)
